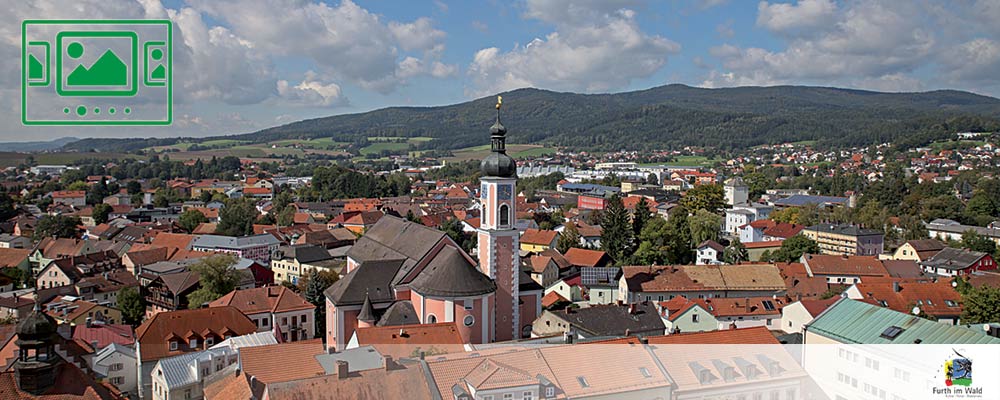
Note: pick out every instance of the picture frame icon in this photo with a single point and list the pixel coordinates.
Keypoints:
(86, 72)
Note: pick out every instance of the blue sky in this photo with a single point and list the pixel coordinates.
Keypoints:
(262, 63)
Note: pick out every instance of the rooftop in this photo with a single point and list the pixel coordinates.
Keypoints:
(855, 322)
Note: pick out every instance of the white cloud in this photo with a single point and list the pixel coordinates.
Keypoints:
(805, 14)
(311, 91)
(871, 44)
(345, 41)
(977, 60)
(596, 47)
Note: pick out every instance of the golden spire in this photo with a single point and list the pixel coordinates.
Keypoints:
(499, 101)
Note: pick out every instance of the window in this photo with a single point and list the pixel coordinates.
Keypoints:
(209, 341)
(488, 397)
(550, 391)
(302, 319)
(504, 216)
(645, 372)
(790, 394)
(432, 319)
(173, 345)
(694, 318)
(193, 343)
(117, 380)
(527, 396)
(117, 367)
(508, 396)
(265, 322)
(187, 394)
(469, 320)
(284, 320)
(467, 304)
(583, 381)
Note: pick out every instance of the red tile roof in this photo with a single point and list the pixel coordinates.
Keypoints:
(403, 340)
(153, 335)
(784, 230)
(755, 335)
(827, 264)
(933, 298)
(272, 299)
(585, 257)
(283, 362)
(104, 335)
(764, 245)
(539, 237)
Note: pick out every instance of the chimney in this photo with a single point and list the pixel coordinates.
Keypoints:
(631, 308)
(90, 322)
(628, 332)
(388, 362)
(422, 355)
(732, 326)
(568, 337)
(644, 340)
(895, 287)
(342, 369)
(746, 304)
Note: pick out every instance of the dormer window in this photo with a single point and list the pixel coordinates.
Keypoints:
(173, 345)
(550, 391)
(193, 343)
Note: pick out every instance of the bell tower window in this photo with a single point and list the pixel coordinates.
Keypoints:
(504, 215)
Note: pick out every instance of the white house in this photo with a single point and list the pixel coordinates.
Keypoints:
(795, 315)
(118, 365)
(709, 252)
(183, 377)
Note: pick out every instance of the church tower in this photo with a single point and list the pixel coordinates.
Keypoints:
(498, 237)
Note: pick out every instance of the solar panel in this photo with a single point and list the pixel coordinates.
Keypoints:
(768, 305)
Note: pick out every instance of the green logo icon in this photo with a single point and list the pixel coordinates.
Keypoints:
(87, 72)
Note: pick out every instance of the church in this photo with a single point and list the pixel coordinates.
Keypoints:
(402, 273)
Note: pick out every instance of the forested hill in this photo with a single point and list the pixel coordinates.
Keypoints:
(663, 117)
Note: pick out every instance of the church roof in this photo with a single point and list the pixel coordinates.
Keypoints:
(451, 274)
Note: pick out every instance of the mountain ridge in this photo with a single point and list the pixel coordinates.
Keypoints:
(668, 116)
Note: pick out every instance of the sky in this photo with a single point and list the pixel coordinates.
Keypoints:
(247, 65)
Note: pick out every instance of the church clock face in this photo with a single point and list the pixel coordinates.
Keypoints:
(504, 192)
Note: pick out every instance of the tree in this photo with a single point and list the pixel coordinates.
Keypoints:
(59, 226)
(131, 305)
(654, 244)
(652, 179)
(237, 218)
(976, 242)
(216, 276)
(20, 277)
(100, 213)
(7, 210)
(133, 187)
(704, 226)
(981, 208)
(190, 219)
(287, 216)
(981, 305)
(315, 283)
(568, 238)
(453, 228)
(735, 253)
(793, 248)
(616, 230)
(788, 215)
(679, 237)
(704, 197)
(640, 216)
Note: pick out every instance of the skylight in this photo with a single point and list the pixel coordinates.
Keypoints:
(891, 332)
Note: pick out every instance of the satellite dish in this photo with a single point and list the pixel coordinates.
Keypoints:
(916, 311)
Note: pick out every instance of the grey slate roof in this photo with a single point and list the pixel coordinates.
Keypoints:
(399, 313)
(953, 259)
(798, 200)
(613, 320)
(358, 359)
(183, 370)
(451, 274)
(304, 253)
(371, 277)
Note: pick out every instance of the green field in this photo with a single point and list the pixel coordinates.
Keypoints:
(685, 161)
(376, 148)
(67, 158)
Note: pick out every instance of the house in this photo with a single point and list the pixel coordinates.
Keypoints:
(8, 241)
(16, 258)
(404, 341)
(946, 229)
(600, 321)
(624, 372)
(173, 333)
(116, 364)
(742, 214)
(169, 292)
(568, 287)
(274, 308)
(800, 200)
(735, 191)
(73, 311)
(185, 376)
(590, 235)
(709, 252)
(854, 323)
(843, 269)
(51, 249)
(918, 250)
(271, 364)
(661, 283)
(746, 312)
(732, 364)
(292, 263)
(361, 221)
(937, 299)
(797, 314)
(846, 239)
(582, 258)
(70, 270)
(534, 240)
(255, 247)
(754, 231)
(409, 381)
(541, 269)
(76, 198)
(99, 335)
(681, 315)
(600, 283)
(958, 262)
(780, 231)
